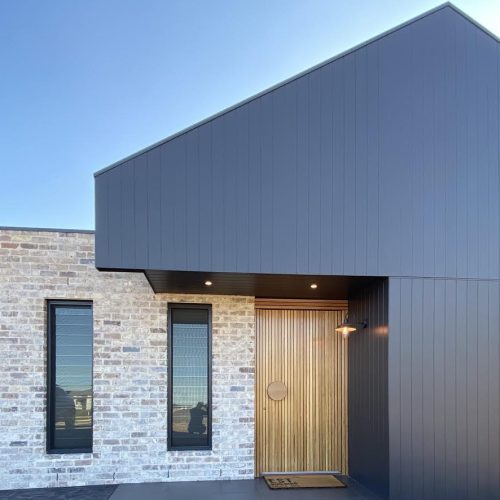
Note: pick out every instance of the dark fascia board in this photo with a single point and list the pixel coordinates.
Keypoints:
(296, 77)
(46, 229)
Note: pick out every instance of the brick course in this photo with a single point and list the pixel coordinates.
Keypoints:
(130, 371)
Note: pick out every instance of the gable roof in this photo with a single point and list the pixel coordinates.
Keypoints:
(446, 5)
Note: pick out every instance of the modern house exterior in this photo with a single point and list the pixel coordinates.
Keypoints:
(200, 332)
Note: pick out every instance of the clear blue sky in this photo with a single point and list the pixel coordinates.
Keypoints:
(84, 83)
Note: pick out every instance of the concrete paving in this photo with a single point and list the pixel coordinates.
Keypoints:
(200, 490)
(236, 490)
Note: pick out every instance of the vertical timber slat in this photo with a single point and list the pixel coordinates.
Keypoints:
(306, 431)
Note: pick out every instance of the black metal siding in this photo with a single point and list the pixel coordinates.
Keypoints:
(368, 389)
(444, 388)
(383, 162)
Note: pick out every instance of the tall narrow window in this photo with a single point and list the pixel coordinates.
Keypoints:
(189, 386)
(70, 332)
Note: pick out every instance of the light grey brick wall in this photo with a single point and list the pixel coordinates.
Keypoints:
(130, 371)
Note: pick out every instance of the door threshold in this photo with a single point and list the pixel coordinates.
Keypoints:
(301, 472)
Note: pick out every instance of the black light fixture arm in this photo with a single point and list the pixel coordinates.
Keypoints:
(360, 324)
(348, 326)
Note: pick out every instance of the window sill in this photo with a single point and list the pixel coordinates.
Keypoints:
(69, 452)
(190, 448)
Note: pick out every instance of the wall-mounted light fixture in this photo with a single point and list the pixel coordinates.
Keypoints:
(347, 326)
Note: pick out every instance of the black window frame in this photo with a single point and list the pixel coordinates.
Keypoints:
(171, 307)
(51, 372)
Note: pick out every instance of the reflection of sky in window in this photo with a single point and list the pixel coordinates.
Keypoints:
(74, 349)
(189, 363)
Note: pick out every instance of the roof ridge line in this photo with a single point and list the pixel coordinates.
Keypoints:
(301, 74)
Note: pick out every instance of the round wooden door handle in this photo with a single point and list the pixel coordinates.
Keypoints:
(277, 390)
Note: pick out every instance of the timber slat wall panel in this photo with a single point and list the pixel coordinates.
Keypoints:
(308, 429)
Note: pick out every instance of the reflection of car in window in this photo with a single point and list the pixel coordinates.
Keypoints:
(65, 408)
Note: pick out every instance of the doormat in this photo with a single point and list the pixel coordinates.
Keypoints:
(285, 481)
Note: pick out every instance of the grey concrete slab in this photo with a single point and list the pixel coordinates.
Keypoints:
(236, 490)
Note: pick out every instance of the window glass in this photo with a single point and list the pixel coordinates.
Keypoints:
(71, 377)
(190, 412)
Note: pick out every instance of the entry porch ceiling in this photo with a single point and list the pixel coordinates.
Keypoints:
(280, 286)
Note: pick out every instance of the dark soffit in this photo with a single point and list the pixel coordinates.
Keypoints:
(258, 285)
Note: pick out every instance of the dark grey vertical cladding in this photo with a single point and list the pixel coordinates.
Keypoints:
(340, 199)
(115, 210)
(206, 197)
(167, 203)
(154, 207)
(229, 193)
(193, 209)
(371, 251)
(368, 389)
(141, 209)
(302, 168)
(493, 344)
(266, 184)
(349, 187)
(444, 388)
(127, 228)
(392, 158)
(361, 161)
(382, 162)
(255, 175)
(314, 179)
(242, 192)
(101, 222)
(180, 191)
(326, 172)
(284, 172)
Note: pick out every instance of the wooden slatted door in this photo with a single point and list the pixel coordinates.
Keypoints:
(307, 430)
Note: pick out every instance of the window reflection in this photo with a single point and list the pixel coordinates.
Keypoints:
(190, 411)
(72, 392)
